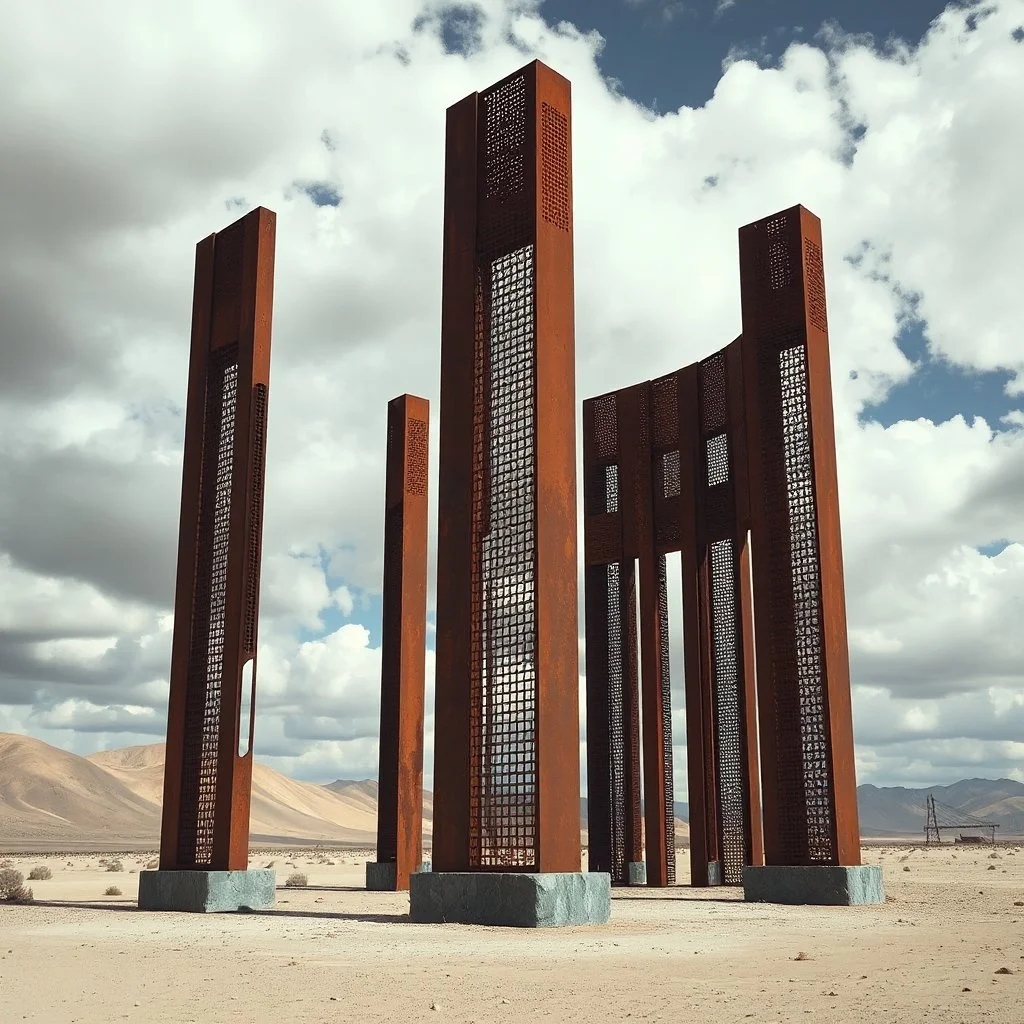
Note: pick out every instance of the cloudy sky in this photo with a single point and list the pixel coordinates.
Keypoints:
(130, 131)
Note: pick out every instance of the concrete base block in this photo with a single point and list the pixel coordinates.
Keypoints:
(818, 885)
(381, 876)
(637, 872)
(714, 872)
(513, 899)
(207, 892)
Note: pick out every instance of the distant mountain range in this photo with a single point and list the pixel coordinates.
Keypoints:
(49, 796)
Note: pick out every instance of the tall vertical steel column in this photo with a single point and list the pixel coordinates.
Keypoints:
(208, 770)
(506, 768)
(614, 824)
(718, 636)
(803, 676)
(400, 775)
(665, 465)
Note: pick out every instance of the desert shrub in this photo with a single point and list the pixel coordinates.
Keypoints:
(111, 890)
(40, 874)
(12, 886)
(152, 865)
(6, 864)
(115, 865)
(296, 880)
(269, 864)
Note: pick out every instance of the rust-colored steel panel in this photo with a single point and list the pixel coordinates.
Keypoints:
(456, 540)
(636, 491)
(807, 766)
(507, 772)
(615, 834)
(400, 799)
(208, 770)
(661, 463)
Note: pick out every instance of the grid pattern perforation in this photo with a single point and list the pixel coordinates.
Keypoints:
(728, 710)
(416, 456)
(209, 612)
(503, 788)
(505, 131)
(665, 412)
(606, 427)
(806, 799)
(554, 167)
(716, 453)
(714, 394)
(816, 314)
(666, 721)
(616, 722)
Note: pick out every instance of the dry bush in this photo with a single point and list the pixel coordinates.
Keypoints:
(6, 864)
(114, 865)
(152, 865)
(13, 888)
(296, 881)
(111, 890)
(40, 874)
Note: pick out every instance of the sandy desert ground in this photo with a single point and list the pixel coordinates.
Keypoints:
(948, 945)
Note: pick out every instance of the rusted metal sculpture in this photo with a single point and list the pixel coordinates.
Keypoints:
(740, 443)
(208, 769)
(403, 646)
(664, 473)
(803, 668)
(506, 768)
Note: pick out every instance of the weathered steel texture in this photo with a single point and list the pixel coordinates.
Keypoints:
(400, 787)
(507, 775)
(659, 462)
(807, 765)
(207, 780)
(615, 832)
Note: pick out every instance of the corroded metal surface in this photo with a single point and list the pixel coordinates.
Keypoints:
(507, 777)
(740, 445)
(403, 646)
(810, 808)
(208, 771)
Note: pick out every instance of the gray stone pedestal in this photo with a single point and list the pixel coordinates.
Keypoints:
(820, 885)
(637, 872)
(207, 892)
(513, 899)
(381, 876)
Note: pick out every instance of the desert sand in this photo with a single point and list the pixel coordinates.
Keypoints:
(333, 952)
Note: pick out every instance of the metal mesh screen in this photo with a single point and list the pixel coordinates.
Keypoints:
(503, 802)
(503, 689)
(666, 721)
(805, 784)
(206, 654)
(728, 705)
(616, 723)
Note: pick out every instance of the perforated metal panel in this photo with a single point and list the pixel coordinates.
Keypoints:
(806, 806)
(617, 724)
(666, 721)
(503, 755)
(206, 656)
(416, 457)
(728, 701)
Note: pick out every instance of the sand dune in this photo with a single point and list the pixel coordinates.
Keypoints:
(49, 794)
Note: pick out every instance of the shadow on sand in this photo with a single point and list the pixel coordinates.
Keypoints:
(131, 907)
